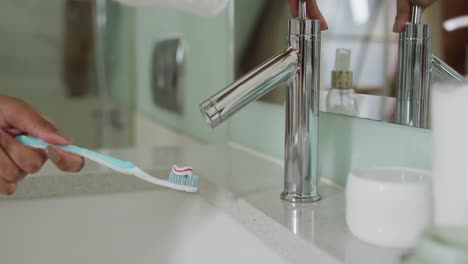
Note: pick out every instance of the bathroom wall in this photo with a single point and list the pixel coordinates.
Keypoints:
(119, 54)
(34, 30)
(115, 75)
(207, 69)
(247, 13)
(345, 142)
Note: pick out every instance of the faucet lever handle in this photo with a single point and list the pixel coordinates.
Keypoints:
(416, 13)
(302, 9)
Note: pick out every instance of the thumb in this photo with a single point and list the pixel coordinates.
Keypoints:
(314, 12)
(403, 15)
(293, 4)
(19, 115)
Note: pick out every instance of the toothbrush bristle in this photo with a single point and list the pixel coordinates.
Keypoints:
(184, 180)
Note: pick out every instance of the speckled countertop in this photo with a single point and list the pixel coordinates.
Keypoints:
(244, 185)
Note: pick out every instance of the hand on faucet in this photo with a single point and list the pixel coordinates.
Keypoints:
(313, 11)
(404, 12)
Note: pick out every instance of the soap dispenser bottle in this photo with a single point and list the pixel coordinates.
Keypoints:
(341, 98)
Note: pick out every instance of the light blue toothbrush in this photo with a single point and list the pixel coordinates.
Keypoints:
(188, 183)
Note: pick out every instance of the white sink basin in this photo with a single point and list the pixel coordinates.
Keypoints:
(158, 226)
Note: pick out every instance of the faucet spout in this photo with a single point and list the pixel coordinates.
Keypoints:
(250, 87)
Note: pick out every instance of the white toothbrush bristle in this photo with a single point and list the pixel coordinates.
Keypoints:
(184, 180)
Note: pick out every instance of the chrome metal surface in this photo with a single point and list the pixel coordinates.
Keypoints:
(253, 85)
(303, 27)
(415, 63)
(416, 14)
(299, 66)
(302, 117)
(211, 114)
(302, 10)
(444, 69)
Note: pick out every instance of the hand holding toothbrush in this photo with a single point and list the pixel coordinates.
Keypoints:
(17, 160)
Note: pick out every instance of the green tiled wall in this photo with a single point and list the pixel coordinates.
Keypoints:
(207, 67)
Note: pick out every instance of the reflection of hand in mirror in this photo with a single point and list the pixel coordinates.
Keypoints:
(404, 12)
(313, 11)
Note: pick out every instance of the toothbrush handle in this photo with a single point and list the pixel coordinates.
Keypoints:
(103, 159)
(116, 164)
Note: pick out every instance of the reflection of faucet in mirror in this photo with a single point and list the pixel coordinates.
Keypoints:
(299, 67)
(415, 63)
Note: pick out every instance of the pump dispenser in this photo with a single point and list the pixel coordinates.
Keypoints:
(341, 98)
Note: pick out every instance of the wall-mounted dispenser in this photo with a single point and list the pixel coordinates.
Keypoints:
(167, 73)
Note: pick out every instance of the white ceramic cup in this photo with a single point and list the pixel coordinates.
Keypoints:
(388, 206)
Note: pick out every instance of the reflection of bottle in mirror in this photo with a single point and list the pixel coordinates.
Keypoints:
(341, 98)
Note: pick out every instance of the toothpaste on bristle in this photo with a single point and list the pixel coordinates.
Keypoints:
(182, 170)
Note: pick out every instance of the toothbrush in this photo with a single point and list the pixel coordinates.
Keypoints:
(180, 179)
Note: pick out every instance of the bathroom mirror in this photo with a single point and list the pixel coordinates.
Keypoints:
(71, 60)
(364, 27)
(102, 70)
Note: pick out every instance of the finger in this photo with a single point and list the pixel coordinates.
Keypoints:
(7, 188)
(9, 172)
(27, 159)
(403, 15)
(63, 160)
(293, 4)
(423, 3)
(13, 131)
(313, 12)
(17, 114)
(50, 121)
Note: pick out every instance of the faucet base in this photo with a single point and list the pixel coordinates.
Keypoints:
(296, 198)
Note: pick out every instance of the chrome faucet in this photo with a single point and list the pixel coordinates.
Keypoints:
(299, 67)
(415, 64)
